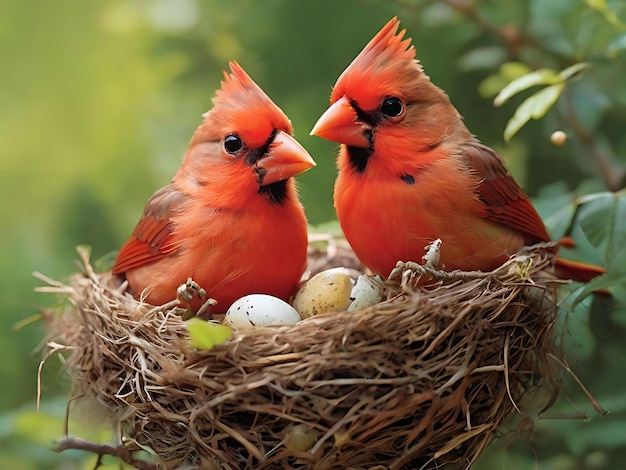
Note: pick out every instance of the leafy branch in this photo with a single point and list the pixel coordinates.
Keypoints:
(554, 84)
(613, 177)
(538, 104)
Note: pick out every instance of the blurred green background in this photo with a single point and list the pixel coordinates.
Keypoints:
(98, 100)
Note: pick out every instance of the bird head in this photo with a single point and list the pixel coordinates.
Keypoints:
(246, 133)
(383, 102)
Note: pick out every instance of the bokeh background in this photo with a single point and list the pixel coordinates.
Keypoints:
(98, 100)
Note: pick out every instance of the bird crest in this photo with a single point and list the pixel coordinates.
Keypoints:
(240, 98)
(388, 56)
(238, 87)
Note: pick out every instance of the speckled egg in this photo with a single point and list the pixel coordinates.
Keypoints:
(367, 291)
(260, 310)
(327, 291)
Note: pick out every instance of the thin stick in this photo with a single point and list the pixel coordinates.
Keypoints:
(121, 452)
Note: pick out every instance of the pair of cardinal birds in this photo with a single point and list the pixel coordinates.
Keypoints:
(410, 172)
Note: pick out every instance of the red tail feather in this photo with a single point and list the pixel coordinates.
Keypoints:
(577, 271)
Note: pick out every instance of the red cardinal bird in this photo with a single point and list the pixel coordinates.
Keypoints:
(230, 219)
(411, 172)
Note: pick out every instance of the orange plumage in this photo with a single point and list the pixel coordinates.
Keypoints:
(230, 219)
(411, 172)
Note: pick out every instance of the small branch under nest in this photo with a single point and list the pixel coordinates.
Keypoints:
(418, 381)
(122, 452)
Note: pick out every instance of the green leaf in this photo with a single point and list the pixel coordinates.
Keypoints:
(578, 337)
(538, 104)
(603, 221)
(538, 77)
(616, 46)
(513, 70)
(487, 57)
(534, 107)
(618, 291)
(599, 283)
(572, 70)
(205, 334)
(491, 85)
(615, 283)
(559, 222)
(507, 72)
(601, 7)
(598, 434)
(590, 103)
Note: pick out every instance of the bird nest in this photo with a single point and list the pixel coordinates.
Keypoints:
(420, 380)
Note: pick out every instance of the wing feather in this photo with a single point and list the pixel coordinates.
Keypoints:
(152, 238)
(504, 200)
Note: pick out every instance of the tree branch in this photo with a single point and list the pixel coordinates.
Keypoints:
(612, 176)
(122, 452)
(513, 37)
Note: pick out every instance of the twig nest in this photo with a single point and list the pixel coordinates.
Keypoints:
(416, 381)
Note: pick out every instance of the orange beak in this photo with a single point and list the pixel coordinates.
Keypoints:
(285, 158)
(340, 123)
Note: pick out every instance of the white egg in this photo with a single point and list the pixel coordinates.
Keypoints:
(327, 291)
(367, 291)
(260, 310)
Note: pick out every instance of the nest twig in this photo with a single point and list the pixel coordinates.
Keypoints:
(418, 381)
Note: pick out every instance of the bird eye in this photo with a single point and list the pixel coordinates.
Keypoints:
(232, 143)
(392, 107)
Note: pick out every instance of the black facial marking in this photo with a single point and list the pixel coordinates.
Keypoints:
(254, 155)
(358, 157)
(372, 119)
(275, 192)
(408, 179)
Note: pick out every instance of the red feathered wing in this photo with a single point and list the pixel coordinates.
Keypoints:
(152, 238)
(507, 204)
(504, 200)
